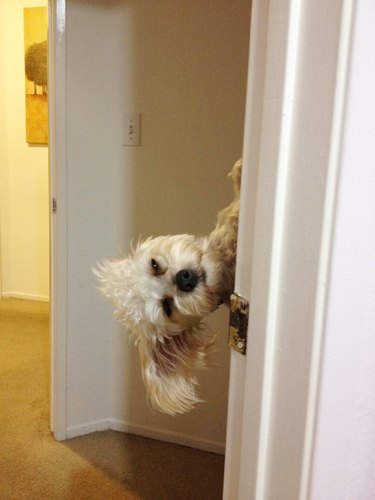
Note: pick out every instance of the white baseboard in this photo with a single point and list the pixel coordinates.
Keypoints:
(168, 436)
(24, 296)
(145, 431)
(88, 428)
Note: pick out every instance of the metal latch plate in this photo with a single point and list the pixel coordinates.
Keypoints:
(238, 320)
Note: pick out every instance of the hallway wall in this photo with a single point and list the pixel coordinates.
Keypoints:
(24, 192)
(183, 66)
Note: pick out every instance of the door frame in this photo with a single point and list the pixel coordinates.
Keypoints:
(58, 218)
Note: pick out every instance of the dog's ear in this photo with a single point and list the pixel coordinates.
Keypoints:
(112, 274)
(118, 283)
(169, 364)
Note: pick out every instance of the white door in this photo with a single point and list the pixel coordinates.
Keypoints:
(299, 59)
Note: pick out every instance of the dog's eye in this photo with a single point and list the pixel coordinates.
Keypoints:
(167, 304)
(155, 266)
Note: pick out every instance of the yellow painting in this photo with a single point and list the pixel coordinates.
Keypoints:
(36, 88)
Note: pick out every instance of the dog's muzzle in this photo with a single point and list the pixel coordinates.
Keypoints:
(186, 280)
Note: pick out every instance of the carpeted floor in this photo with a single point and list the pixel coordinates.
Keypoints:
(103, 465)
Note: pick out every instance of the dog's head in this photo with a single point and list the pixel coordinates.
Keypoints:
(161, 292)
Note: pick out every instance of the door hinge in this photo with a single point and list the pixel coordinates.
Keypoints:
(54, 205)
(238, 320)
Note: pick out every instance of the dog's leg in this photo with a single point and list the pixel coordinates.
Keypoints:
(235, 175)
(222, 241)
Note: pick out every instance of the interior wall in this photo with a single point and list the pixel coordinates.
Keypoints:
(183, 66)
(24, 205)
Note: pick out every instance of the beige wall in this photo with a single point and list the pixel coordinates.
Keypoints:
(183, 66)
(23, 171)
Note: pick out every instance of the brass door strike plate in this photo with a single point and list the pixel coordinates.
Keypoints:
(238, 320)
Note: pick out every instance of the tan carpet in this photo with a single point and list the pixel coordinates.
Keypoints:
(103, 465)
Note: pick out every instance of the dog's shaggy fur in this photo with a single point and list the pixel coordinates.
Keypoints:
(163, 290)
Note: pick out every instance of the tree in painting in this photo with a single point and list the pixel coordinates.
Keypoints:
(36, 65)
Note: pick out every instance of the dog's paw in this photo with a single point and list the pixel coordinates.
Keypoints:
(235, 175)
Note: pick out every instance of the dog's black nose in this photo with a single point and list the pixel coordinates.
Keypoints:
(186, 280)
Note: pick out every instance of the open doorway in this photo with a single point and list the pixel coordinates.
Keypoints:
(24, 215)
(185, 72)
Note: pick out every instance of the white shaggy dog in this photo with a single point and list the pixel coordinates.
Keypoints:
(163, 290)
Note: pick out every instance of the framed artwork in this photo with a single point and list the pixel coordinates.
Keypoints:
(36, 65)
